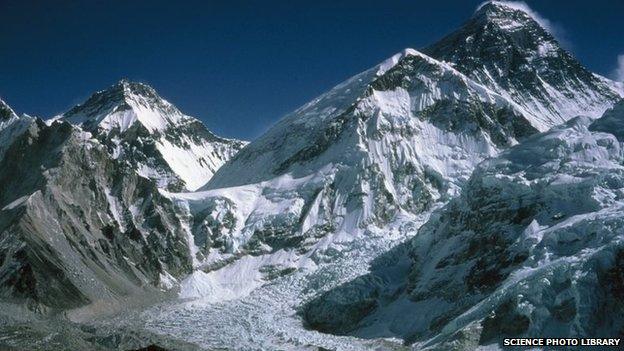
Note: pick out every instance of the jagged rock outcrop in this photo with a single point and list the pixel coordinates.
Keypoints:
(6, 112)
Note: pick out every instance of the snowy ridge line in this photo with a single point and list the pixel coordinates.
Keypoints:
(499, 98)
(162, 143)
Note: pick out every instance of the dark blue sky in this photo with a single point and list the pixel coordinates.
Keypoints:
(240, 65)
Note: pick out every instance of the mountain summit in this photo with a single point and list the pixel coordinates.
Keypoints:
(504, 48)
(401, 136)
(11, 125)
(6, 112)
(82, 217)
(150, 133)
(123, 104)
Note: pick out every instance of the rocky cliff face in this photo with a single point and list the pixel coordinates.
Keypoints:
(78, 226)
(82, 218)
(507, 50)
(11, 126)
(6, 112)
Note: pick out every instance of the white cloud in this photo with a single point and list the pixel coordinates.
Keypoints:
(553, 28)
(618, 74)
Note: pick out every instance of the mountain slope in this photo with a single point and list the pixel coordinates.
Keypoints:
(531, 248)
(386, 99)
(505, 49)
(82, 218)
(78, 226)
(163, 144)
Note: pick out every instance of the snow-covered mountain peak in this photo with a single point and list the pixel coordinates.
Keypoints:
(515, 21)
(499, 30)
(506, 48)
(508, 15)
(123, 104)
(10, 126)
(143, 94)
(161, 142)
(406, 89)
(6, 112)
(391, 141)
